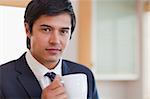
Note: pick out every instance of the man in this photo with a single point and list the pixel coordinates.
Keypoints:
(49, 25)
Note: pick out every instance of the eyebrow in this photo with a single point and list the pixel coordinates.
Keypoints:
(65, 28)
(44, 25)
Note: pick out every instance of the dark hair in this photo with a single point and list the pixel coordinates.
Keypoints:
(36, 8)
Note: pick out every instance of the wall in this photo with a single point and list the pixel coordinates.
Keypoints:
(12, 35)
(146, 56)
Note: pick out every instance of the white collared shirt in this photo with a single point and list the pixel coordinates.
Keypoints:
(40, 70)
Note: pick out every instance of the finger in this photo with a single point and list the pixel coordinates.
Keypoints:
(62, 96)
(56, 83)
(47, 93)
(59, 91)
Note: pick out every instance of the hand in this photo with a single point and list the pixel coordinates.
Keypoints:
(55, 90)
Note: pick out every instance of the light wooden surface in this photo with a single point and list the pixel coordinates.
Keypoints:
(85, 30)
(147, 6)
(15, 3)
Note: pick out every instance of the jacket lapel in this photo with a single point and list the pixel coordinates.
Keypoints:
(65, 68)
(27, 79)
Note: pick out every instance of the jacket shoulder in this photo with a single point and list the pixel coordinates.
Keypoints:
(8, 64)
(12, 63)
(76, 67)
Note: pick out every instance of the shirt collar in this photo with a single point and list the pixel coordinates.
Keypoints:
(40, 70)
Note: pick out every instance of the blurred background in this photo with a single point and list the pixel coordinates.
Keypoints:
(112, 38)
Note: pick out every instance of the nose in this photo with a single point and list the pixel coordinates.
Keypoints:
(54, 38)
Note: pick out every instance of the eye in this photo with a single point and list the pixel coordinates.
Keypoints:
(64, 32)
(46, 30)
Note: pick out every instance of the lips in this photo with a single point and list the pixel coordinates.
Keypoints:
(53, 50)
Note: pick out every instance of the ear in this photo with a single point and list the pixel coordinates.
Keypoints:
(27, 30)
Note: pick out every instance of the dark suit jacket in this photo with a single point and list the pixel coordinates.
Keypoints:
(17, 81)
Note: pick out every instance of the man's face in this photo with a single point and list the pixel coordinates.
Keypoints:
(50, 36)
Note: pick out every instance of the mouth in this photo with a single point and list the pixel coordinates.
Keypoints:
(53, 50)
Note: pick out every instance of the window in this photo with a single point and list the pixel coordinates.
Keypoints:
(115, 39)
(12, 33)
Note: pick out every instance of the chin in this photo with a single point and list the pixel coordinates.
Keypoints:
(53, 59)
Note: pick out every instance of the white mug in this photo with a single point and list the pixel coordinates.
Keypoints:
(75, 85)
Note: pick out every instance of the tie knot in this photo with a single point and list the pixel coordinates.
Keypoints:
(51, 75)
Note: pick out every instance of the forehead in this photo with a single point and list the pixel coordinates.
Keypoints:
(61, 20)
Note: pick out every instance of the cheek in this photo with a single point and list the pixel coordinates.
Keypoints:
(65, 43)
(38, 41)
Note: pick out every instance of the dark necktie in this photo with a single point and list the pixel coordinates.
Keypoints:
(51, 75)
